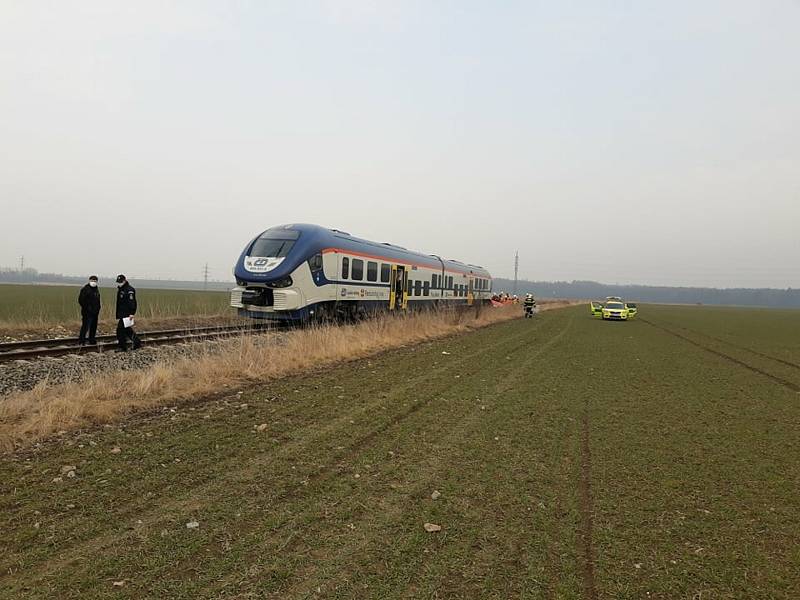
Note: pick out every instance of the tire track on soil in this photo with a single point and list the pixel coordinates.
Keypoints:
(508, 345)
(587, 510)
(787, 384)
(745, 348)
(205, 488)
(294, 489)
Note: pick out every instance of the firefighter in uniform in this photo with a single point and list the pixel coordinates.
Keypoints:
(89, 300)
(529, 305)
(126, 308)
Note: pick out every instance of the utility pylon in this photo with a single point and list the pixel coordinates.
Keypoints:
(21, 263)
(516, 271)
(205, 277)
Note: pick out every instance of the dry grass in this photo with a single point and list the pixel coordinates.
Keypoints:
(46, 409)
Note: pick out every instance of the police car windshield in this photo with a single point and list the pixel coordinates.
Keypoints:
(613, 305)
(271, 248)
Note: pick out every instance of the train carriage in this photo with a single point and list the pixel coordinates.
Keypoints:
(301, 272)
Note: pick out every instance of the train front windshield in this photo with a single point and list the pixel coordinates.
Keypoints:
(274, 244)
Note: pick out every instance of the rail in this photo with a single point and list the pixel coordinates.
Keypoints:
(31, 349)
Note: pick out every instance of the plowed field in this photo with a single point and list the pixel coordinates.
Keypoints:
(573, 458)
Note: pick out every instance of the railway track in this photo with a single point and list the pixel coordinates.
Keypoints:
(32, 349)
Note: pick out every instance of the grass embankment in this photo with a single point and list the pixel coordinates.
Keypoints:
(31, 415)
(49, 310)
(575, 459)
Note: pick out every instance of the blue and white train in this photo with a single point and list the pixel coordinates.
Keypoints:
(306, 272)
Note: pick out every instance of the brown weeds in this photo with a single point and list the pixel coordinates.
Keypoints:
(48, 408)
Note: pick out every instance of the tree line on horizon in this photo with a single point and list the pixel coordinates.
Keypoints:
(33, 276)
(593, 290)
(582, 290)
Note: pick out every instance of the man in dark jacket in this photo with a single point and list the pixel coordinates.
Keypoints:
(126, 308)
(89, 299)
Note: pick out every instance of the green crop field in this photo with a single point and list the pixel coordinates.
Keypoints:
(50, 304)
(574, 458)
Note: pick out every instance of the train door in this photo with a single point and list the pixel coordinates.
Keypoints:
(397, 291)
(470, 292)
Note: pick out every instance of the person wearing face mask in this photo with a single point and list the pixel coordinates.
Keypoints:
(89, 300)
(126, 308)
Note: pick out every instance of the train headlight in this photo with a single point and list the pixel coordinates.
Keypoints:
(281, 283)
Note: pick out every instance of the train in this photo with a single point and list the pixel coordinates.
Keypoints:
(304, 272)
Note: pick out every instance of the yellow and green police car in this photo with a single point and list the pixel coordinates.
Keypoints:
(632, 310)
(615, 311)
(596, 308)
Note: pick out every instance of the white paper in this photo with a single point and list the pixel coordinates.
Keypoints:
(127, 322)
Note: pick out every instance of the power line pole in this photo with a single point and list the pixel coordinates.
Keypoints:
(21, 263)
(516, 271)
(205, 277)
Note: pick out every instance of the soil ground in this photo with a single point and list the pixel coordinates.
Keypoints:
(574, 458)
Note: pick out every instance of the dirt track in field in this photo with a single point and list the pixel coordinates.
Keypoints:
(558, 475)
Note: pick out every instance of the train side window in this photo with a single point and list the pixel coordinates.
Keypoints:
(426, 288)
(372, 271)
(418, 287)
(450, 282)
(409, 286)
(358, 270)
(315, 263)
(345, 267)
(386, 270)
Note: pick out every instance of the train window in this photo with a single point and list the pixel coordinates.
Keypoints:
(267, 247)
(418, 287)
(315, 263)
(358, 270)
(426, 288)
(372, 271)
(386, 271)
(450, 282)
(409, 286)
(345, 267)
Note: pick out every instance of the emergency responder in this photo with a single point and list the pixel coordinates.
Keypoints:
(126, 308)
(529, 305)
(89, 300)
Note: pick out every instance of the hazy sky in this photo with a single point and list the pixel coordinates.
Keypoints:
(645, 142)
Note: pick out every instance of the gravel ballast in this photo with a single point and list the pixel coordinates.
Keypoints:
(25, 374)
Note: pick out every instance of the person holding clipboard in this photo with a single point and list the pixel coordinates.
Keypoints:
(126, 308)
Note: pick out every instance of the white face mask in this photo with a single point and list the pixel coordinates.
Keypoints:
(93, 283)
